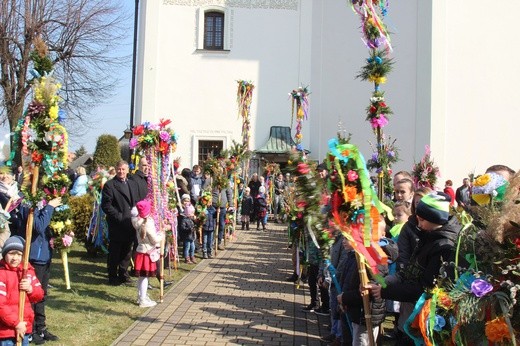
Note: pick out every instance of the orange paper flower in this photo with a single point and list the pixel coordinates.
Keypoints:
(497, 330)
(350, 193)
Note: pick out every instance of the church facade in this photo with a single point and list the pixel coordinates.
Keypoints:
(452, 87)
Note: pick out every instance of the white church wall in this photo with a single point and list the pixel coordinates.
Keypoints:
(452, 86)
(197, 89)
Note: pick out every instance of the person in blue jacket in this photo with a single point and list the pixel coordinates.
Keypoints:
(40, 256)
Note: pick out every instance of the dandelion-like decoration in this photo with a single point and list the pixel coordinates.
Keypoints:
(300, 104)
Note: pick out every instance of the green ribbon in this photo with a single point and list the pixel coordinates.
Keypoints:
(369, 195)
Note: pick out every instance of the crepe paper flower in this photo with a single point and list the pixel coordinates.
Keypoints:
(375, 156)
(67, 240)
(153, 127)
(303, 168)
(517, 243)
(497, 330)
(138, 130)
(445, 301)
(53, 112)
(390, 153)
(164, 122)
(380, 121)
(352, 175)
(133, 143)
(482, 180)
(440, 322)
(481, 287)
(36, 157)
(350, 193)
(57, 226)
(301, 204)
(164, 136)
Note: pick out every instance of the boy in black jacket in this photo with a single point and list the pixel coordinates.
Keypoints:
(438, 234)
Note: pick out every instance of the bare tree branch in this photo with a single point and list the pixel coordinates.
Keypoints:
(82, 36)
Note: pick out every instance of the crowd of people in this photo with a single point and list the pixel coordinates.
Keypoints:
(418, 242)
(421, 236)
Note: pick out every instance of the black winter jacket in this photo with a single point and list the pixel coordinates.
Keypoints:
(432, 249)
(408, 239)
(352, 297)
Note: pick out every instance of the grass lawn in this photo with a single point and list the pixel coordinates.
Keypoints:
(92, 312)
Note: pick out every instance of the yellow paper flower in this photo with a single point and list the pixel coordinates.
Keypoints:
(57, 226)
(482, 180)
(497, 330)
(53, 112)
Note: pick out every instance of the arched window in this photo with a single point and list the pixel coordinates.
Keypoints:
(214, 30)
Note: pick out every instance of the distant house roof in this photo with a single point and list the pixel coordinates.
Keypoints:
(83, 160)
(279, 142)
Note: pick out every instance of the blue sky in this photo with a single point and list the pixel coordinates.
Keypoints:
(112, 116)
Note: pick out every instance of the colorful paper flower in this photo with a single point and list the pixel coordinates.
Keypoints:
(133, 143)
(352, 175)
(67, 240)
(350, 193)
(164, 136)
(303, 168)
(481, 287)
(497, 330)
(440, 322)
(138, 130)
(482, 180)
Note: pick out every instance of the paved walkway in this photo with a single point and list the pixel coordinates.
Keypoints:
(240, 297)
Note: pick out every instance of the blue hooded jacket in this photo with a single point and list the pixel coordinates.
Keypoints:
(41, 251)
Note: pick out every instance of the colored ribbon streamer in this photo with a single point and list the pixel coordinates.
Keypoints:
(408, 324)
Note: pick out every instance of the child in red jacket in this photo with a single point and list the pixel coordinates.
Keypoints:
(11, 282)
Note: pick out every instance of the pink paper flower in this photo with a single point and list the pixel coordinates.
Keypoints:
(352, 175)
(379, 122)
(164, 136)
(67, 240)
(133, 143)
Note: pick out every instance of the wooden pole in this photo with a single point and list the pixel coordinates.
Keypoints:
(365, 295)
(169, 247)
(27, 249)
(235, 201)
(217, 225)
(161, 270)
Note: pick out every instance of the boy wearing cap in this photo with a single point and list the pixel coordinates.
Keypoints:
(11, 327)
(438, 232)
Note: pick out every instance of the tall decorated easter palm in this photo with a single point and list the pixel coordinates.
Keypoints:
(378, 65)
(157, 142)
(42, 143)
